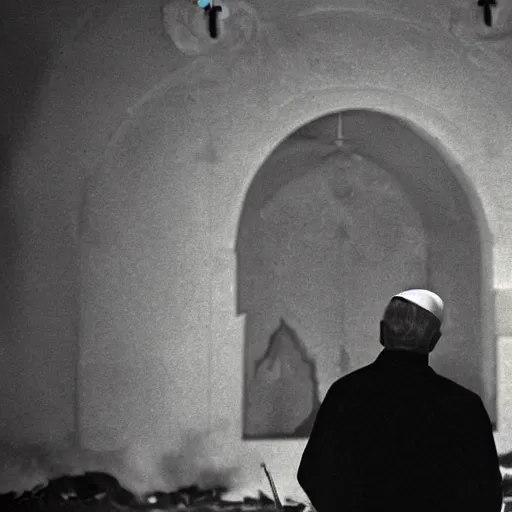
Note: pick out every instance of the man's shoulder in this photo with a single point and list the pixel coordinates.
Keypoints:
(354, 377)
(450, 388)
(445, 386)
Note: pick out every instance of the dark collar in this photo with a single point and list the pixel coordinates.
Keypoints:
(402, 357)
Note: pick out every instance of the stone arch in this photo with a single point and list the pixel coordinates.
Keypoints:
(470, 222)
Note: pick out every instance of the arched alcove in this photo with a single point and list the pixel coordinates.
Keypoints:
(326, 237)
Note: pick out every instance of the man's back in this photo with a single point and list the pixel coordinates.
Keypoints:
(394, 435)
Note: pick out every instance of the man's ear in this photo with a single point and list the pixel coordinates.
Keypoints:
(433, 341)
(383, 331)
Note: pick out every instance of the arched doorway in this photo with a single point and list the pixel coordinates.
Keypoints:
(325, 238)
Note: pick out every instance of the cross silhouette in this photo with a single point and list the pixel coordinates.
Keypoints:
(213, 12)
(486, 4)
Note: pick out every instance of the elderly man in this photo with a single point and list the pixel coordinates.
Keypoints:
(395, 435)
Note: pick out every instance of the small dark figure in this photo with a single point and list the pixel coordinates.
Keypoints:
(395, 435)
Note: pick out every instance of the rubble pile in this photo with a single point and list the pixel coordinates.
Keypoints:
(100, 492)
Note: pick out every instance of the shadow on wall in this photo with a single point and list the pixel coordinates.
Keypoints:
(24, 55)
(282, 400)
(24, 59)
(325, 238)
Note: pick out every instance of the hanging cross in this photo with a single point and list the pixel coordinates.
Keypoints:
(486, 4)
(213, 11)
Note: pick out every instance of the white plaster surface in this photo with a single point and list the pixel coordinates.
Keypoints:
(503, 437)
(503, 312)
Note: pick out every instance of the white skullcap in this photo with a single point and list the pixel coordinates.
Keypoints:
(425, 299)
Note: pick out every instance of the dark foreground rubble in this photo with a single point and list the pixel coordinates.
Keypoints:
(100, 492)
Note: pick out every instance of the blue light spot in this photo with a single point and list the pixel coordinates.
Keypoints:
(203, 3)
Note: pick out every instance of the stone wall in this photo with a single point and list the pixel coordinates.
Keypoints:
(130, 177)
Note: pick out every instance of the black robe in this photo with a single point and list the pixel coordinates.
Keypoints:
(397, 436)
